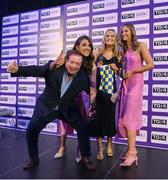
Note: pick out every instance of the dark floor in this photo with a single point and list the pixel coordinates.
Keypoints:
(152, 163)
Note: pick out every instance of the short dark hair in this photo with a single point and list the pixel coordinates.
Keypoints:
(72, 52)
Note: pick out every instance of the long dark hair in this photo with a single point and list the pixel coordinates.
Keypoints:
(87, 61)
(134, 41)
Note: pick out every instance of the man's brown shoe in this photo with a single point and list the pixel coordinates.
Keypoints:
(87, 163)
(30, 164)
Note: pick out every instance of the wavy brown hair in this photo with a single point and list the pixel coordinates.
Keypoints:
(87, 61)
(134, 41)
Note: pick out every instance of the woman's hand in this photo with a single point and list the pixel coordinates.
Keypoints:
(92, 94)
(12, 67)
(96, 53)
(115, 97)
(128, 74)
(114, 67)
(92, 111)
(100, 63)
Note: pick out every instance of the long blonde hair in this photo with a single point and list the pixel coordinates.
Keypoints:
(115, 47)
(134, 41)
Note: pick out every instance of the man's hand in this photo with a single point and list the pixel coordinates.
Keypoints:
(12, 67)
(59, 61)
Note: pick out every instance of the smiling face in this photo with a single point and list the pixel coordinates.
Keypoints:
(128, 37)
(126, 34)
(73, 64)
(109, 38)
(84, 47)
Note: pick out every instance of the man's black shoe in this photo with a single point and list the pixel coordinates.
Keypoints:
(30, 164)
(87, 163)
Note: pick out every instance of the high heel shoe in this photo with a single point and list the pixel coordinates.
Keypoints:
(60, 153)
(100, 149)
(125, 156)
(109, 151)
(100, 156)
(78, 155)
(130, 159)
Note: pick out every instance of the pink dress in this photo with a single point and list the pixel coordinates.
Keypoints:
(83, 102)
(64, 129)
(130, 108)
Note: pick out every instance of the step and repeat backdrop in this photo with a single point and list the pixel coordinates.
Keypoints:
(33, 38)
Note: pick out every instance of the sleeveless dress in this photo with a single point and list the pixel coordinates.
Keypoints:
(130, 106)
(105, 109)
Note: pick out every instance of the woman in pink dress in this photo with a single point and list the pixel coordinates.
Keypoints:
(130, 109)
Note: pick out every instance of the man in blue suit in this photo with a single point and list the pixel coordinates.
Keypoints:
(63, 85)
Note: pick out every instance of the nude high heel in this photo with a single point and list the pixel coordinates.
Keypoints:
(124, 156)
(60, 153)
(109, 151)
(78, 155)
(130, 159)
(100, 149)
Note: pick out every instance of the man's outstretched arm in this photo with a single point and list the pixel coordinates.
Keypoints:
(25, 71)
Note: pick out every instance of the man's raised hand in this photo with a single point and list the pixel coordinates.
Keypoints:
(59, 61)
(12, 67)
